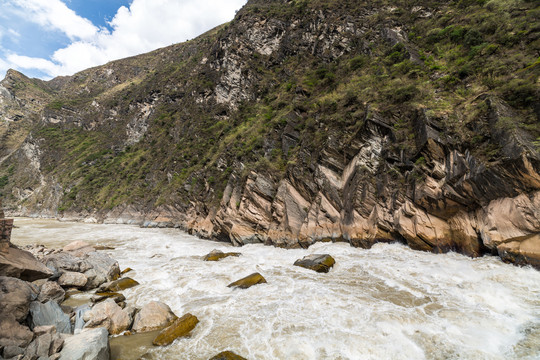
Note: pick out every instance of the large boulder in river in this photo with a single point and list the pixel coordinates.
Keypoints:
(153, 316)
(216, 255)
(180, 327)
(63, 261)
(248, 281)
(89, 344)
(109, 315)
(72, 279)
(317, 262)
(78, 248)
(21, 264)
(16, 296)
(104, 268)
(12, 333)
(118, 285)
(49, 313)
(51, 291)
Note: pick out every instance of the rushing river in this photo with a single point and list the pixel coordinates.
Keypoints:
(388, 302)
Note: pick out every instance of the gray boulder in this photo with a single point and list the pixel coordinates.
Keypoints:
(63, 261)
(12, 351)
(49, 313)
(16, 296)
(21, 264)
(104, 268)
(72, 279)
(89, 344)
(51, 291)
(153, 316)
(109, 315)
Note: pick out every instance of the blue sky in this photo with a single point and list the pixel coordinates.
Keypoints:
(47, 38)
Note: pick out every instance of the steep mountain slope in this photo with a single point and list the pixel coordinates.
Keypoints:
(301, 121)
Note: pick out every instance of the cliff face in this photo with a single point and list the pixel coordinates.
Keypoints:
(300, 121)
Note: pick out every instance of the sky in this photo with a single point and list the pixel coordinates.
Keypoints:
(48, 38)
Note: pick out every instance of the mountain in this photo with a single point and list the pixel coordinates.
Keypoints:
(300, 121)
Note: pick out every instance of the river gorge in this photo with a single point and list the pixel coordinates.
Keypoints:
(388, 302)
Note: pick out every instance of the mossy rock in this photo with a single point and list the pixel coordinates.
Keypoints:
(118, 285)
(180, 327)
(248, 281)
(227, 355)
(216, 255)
(126, 270)
(317, 262)
(100, 296)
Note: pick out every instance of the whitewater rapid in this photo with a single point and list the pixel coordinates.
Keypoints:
(388, 302)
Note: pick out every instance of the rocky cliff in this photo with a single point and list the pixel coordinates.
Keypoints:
(297, 122)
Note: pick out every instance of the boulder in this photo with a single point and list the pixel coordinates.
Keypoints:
(126, 270)
(72, 279)
(78, 248)
(89, 344)
(153, 316)
(248, 281)
(64, 261)
(227, 355)
(316, 262)
(109, 315)
(12, 333)
(23, 265)
(118, 285)
(16, 296)
(39, 348)
(104, 268)
(80, 311)
(180, 327)
(45, 329)
(51, 291)
(12, 351)
(100, 296)
(49, 313)
(216, 255)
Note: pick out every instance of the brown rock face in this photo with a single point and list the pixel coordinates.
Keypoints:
(180, 327)
(15, 297)
(22, 264)
(12, 333)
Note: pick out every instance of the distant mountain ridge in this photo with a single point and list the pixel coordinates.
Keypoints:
(300, 121)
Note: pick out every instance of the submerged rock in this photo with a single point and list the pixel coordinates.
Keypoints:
(126, 270)
(227, 355)
(216, 255)
(100, 296)
(88, 344)
(118, 285)
(248, 281)
(49, 313)
(109, 315)
(180, 327)
(316, 262)
(23, 265)
(153, 316)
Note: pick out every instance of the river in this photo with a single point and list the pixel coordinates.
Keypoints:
(388, 302)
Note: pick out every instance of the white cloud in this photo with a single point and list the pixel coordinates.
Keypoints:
(144, 26)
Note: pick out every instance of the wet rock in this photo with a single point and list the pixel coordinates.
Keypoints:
(78, 248)
(153, 316)
(216, 255)
(109, 315)
(16, 296)
(118, 285)
(12, 333)
(524, 252)
(126, 270)
(227, 355)
(316, 262)
(248, 281)
(21, 264)
(49, 313)
(72, 279)
(103, 247)
(51, 291)
(104, 268)
(100, 296)
(180, 327)
(89, 344)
